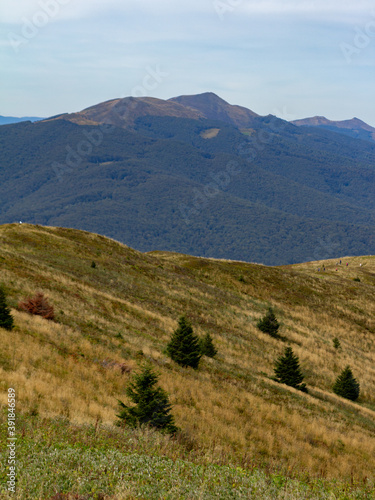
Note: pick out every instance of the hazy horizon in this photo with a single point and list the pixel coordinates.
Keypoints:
(295, 58)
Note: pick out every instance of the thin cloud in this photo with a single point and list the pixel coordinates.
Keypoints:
(307, 6)
(15, 12)
(263, 54)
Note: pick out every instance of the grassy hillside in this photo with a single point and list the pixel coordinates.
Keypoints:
(231, 412)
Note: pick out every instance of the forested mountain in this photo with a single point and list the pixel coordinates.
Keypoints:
(353, 128)
(6, 120)
(185, 178)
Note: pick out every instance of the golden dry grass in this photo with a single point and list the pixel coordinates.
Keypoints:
(210, 133)
(124, 311)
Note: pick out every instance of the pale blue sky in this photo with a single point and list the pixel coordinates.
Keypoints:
(272, 56)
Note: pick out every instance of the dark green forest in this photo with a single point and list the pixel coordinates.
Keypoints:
(275, 193)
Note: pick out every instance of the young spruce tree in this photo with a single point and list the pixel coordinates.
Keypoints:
(346, 385)
(269, 324)
(6, 319)
(207, 346)
(287, 370)
(152, 405)
(184, 347)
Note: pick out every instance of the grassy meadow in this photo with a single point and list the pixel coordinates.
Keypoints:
(240, 429)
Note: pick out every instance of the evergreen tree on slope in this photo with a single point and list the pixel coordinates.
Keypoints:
(287, 370)
(269, 324)
(346, 385)
(6, 319)
(207, 346)
(184, 346)
(152, 405)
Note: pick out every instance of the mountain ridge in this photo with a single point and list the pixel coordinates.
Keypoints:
(7, 120)
(215, 108)
(273, 193)
(354, 127)
(124, 112)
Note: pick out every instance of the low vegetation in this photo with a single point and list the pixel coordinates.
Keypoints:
(59, 460)
(237, 424)
(37, 305)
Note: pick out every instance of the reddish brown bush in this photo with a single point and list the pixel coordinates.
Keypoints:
(125, 368)
(38, 305)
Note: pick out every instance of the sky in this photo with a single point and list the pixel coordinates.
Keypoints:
(292, 58)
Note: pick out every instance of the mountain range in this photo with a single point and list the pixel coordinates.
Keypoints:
(6, 120)
(125, 112)
(353, 128)
(196, 175)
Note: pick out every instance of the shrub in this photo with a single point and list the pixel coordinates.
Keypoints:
(336, 343)
(269, 324)
(6, 319)
(152, 405)
(184, 346)
(38, 305)
(287, 370)
(346, 385)
(207, 346)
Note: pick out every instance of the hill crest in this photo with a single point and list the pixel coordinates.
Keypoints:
(354, 127)
(124, 112)
(214, 107)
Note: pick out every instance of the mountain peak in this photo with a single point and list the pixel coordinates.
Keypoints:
(355, 127)
(204, 96)
(124, 112)
(7, 120)
(214, 107)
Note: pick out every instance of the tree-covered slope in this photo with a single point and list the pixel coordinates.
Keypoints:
(274, 194)
(355, 127)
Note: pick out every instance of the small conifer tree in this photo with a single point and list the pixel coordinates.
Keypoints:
(207, 346)
(336, 343)
(269, 324)
(346, 385)
(152, 405)
(184, 346)
(6, 319)
(287, 370)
